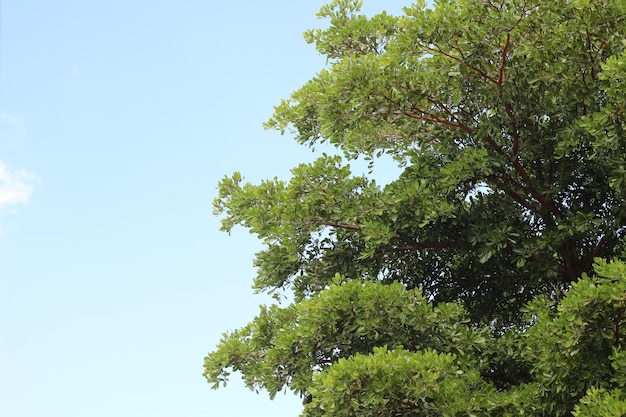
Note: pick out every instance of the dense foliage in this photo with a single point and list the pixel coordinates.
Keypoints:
(474, 283)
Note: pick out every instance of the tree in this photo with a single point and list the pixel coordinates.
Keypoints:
(374, 349)
(460, 276)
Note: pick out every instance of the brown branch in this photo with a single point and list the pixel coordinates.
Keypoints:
(515, 133)
(427, 245)
(392, 101)
(507, 107)
(604, 240)
(596, 251)
(427, 117)
(548, 204)
(468, 114)
(514, 195)
(458, 48)
(494, 146)
(594, 75)
(517, 166)
(444, 107)
(525, 13)
(343, 226)
(478, 71)
(503, 62)
(528, 188)
(570, 269)
(490, 3)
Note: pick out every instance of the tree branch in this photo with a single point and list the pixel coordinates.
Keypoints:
(427, 116)
(430, 118)
(570, 270)
(427, 245)
(444, 107)
(501, 78)
(594, 75)
(515, 133)
(514, 195)
(481, 73)
(597, 249)
(548, 204)
(343, 226)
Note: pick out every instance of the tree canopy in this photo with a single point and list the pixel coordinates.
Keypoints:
(473, 284)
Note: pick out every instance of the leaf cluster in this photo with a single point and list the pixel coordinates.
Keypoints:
(508, 120)
(361, 349)
(475, 282)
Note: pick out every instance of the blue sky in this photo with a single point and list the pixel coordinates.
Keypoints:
(117, 119)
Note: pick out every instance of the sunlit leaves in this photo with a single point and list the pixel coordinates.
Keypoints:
(368, 349)
(285, 346)
(467, 285)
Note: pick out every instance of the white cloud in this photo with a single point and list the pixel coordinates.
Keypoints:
(8, 118)
(16, 187)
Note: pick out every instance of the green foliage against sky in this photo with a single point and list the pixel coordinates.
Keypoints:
(467, 285)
